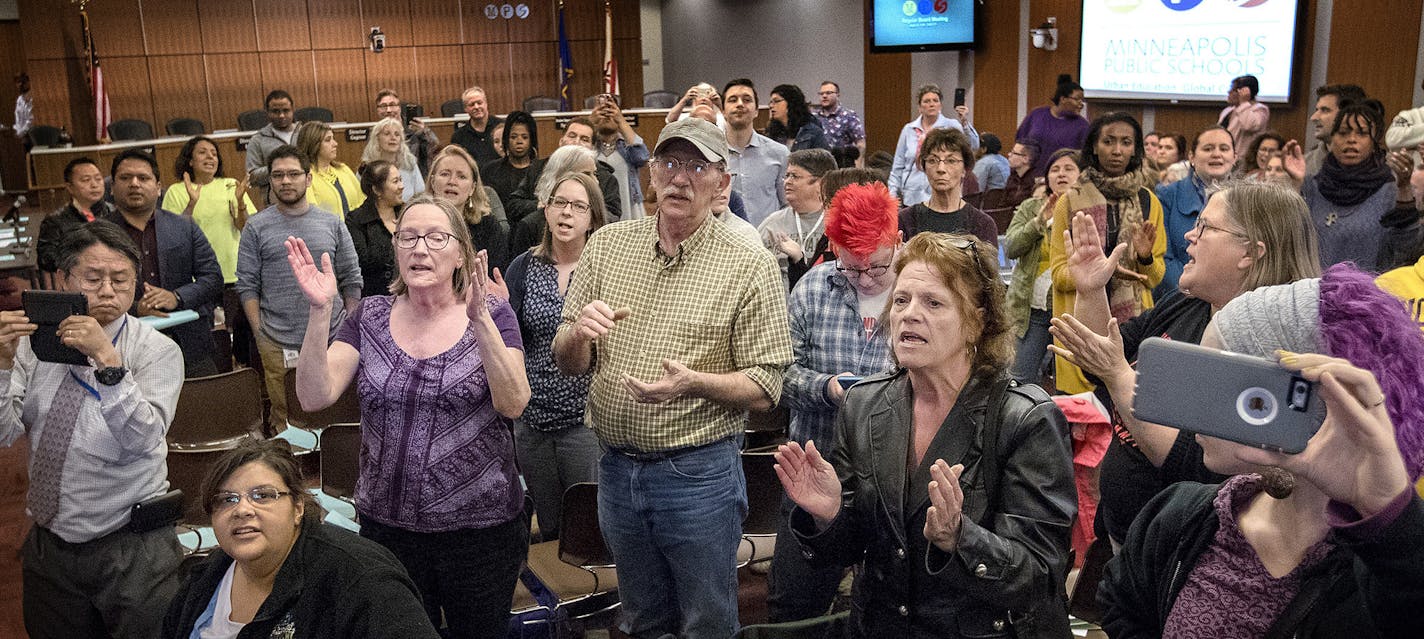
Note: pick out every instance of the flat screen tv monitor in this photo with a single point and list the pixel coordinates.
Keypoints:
(922, 25)
(1187, 50)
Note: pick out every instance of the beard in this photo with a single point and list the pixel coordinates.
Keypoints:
(295, 200)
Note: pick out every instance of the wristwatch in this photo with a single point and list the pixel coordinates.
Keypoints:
(110, 375)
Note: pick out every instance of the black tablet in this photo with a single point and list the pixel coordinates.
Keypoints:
(47, 309)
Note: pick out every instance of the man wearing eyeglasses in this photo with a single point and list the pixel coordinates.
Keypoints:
(178, 269)
(684, 327)
(843, 127)
(92, 565)
(272, 300)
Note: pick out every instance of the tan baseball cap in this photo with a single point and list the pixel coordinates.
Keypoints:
(704, 135)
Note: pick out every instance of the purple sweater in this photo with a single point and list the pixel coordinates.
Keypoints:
(1050, 134)
(435, 456)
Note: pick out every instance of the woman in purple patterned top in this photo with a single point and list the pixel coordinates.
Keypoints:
(1325, 543)
(439, 367)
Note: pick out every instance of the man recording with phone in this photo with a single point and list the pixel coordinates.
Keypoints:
(421, 141)
(92, 566)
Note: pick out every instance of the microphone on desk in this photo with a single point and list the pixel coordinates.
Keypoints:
(13, 215)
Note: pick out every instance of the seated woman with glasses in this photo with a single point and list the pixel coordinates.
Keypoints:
(959, 538)
(279, 571)
(556, 450)
(439, 367)
(945, 156)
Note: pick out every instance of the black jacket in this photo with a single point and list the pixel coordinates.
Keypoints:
(373, 248)
(1361, 589)
(1005, 579)
(334, 584)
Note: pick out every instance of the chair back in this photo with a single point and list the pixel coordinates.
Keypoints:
(541, 103)
(346, 410)
(763, 493)
(340, 460)
(451, 108)
(131, 130)
(44, 135)
(315, 114)
(580, 538)
(659, 99)
(766, 429)
(186, 471)
(217, 411)
(185, 126)
(251, 120)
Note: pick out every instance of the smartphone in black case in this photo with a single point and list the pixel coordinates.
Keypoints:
(47, 309)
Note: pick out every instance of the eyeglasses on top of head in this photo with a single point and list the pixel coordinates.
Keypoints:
(260, 497)
(434, 240)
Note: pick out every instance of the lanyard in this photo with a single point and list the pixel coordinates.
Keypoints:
(802, 236)
(91, 390)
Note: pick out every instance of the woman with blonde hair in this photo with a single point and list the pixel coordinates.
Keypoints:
(386, 141)
(334, 187)
(455, 178)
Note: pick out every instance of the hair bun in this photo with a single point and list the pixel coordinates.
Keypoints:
(1065, 78)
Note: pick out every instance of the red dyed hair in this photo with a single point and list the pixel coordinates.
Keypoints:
(863, 218)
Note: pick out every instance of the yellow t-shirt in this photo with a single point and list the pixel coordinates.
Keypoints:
(325, 195)
(1407, 283)
(213, 216)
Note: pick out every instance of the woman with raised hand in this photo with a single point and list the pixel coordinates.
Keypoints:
(439, 367)
(1029, 300)
(907, 180)
(954, 487)
(1325, 543)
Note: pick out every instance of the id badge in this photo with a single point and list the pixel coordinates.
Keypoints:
(289, 357)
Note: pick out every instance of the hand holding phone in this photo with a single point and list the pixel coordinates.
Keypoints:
(1248, 400)
(47, 310)
(846, 381)
(959, 95)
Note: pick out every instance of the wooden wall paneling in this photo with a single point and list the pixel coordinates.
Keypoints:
(228, 27)
(488, 67)
(629, 53)
(51, 86)
(887, 75)
(117, 27)
(435, 22)
(341, 85)
(337, 24)
(130, 94)
(536, 70)
(235, 85)
(169, 25)
(180, 90)
(995, 107)
(1045, 66)
(12, 61)
(627, 19)
(396, 69)
(283, 25)
(476, 28)
(51, 31)
(583, 19)
(292, 71)
(1358, 53)
(441, 77)
(394, 20)
(542, 23)
(588, 71)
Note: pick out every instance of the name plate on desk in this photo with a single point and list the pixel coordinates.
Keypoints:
(357, 135)
(562, 122)
(242, 143)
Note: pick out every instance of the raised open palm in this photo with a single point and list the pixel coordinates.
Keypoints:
(809, 480)
(317, 284)
(1087, 265)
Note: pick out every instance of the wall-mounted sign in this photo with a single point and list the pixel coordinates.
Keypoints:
(491, 11)
(506, 11)
(521, 10)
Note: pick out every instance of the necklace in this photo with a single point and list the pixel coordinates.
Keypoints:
(1333, 217)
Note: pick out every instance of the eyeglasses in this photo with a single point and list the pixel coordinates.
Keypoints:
(949, 161)
(92, 284)
(668, 168)
(776, 100)
(970, 247)
(434, 240)
(875, 270)
(282, 176)
(559, 204)
(1202, 227)
(260, 497)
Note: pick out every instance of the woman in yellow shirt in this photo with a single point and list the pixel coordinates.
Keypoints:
(217, 204)
(334, 186)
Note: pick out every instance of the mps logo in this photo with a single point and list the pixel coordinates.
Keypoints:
(925, 7)
(1247, 4)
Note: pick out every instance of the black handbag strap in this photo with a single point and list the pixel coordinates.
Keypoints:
(989, 447)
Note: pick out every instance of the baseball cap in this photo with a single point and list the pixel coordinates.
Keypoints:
(704, 135)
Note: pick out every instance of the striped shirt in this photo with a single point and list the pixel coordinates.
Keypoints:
(716, 306)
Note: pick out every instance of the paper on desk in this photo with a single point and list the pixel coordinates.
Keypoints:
(175, 318)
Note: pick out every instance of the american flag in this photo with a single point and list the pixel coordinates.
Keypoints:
(102, 116)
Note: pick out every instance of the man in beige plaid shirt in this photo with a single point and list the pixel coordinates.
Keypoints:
(684, 326)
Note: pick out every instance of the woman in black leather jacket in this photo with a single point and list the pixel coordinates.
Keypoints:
(953, 486)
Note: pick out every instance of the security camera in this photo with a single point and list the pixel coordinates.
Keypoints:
(378, 40)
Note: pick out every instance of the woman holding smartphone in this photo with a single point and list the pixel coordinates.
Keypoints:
(1326, 543)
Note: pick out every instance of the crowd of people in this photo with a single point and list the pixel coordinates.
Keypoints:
(514, 323)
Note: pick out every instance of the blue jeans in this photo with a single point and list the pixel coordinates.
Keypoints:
(551, 462)
(1032, 348)
(673, 524)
